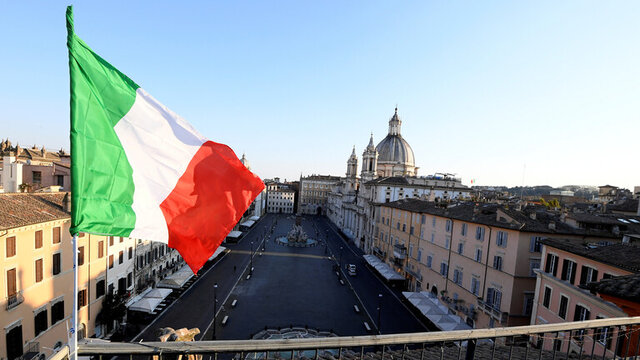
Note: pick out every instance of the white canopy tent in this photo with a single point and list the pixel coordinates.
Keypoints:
(248, 223)
(177, 279)
(146, 304)
(254, 218)
(385, 270)
(435, 311)
(219, 251)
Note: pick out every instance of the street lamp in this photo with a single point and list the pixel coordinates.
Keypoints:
(379, 312)
(215, 308)
(251, 260)
(340, 261)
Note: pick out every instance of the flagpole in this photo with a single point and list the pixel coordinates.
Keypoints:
(74, 317)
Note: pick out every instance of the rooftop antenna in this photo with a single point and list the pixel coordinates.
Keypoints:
(524, 167)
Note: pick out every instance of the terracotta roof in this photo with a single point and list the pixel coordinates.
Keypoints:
(25, 209)
(625, 287)
(487, 214)
(623, 256)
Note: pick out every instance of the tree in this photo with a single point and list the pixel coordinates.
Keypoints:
(113, 309)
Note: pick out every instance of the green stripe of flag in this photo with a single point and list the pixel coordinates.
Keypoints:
(101, 176)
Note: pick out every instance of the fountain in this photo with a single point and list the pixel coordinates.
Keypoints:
(296, 236)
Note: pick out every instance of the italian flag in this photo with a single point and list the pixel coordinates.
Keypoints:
(140, 170)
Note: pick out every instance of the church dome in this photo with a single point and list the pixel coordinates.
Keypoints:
(394, 149)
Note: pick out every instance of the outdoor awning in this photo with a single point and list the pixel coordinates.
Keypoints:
(248, 223)
(385, 270)
(435, 311)
(158, 293)
(234, 234)
(254, 218)
(219, 251)
(177, 279)
(146, 304)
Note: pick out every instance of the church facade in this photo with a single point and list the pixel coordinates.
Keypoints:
(388, 173)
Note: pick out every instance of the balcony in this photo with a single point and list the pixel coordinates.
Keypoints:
(400, 251)
(413, 273)
(521, 342)
(14, 300)
(493, 312)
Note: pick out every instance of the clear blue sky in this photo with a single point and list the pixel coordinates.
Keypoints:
(486, 89)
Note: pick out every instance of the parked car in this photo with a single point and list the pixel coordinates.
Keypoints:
(351, 269)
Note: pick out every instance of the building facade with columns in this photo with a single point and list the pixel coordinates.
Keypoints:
(314, 192)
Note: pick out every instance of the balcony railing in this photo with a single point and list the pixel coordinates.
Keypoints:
(490, 310)
(521, 342)
(399, 251)
(14, 300)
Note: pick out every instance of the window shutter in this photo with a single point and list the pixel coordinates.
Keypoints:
(565, 266)
(594, 275)
(573, 273)
(547, 265)
(583, 275)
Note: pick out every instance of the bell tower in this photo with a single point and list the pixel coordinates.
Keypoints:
(369, 162)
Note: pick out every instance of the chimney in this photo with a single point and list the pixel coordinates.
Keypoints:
(66, 203)
(552, 225)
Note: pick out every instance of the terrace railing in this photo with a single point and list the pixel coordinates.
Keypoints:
(549, 341)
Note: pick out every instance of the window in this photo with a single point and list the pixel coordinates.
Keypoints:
(534, 264)
(528, 304)
(38, 239)
(11, 246)
(546, 300)
(581, 313)
(80, 255)
(603, 335)
(12, 285)
(57, 312)
(475, 286)
(100, 249)
(40, 321)
(460, 248)
(38, 270)
(398, 225)
(501, 238)
(37, 177)
(100, 288)
(494, 298)
(588, 275)
(444, 268)
(411, 230)
(448, 226)
(56, 235)
(429, 261)
(130, 253)
(447, 242)
(121, 239)
(497, 262)
(551, 266)
(534, 244)
(433, 222)
(60, 180)
(568, 271)
(110, 261)
(457, 277)
(463, 230)
(419, 254)
(120, 257)
(404, 227)
(480, 233)
(56, 264)
(562, 309)
(130, 278)
(110, 240)
(478, 256)
(423, 219)
(433, 238)
(82, 298)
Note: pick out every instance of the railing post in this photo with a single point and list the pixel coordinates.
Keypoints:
(627, 335)
(471, 349)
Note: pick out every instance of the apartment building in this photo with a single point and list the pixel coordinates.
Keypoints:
(37, 276)
(30, 169)
(281, 197)
(571, 268)
(314, 192)
(479, 260)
